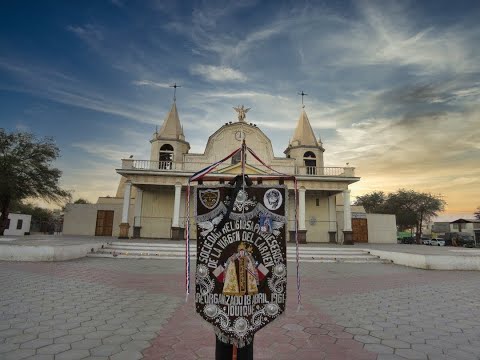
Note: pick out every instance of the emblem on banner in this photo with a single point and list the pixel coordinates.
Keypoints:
(209, 198)
(272, 199)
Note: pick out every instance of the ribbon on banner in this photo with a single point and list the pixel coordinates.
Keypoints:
(200, 174)
(195, 177)
(297, 255)
(187, 244)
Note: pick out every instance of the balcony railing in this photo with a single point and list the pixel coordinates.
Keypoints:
(162, 166)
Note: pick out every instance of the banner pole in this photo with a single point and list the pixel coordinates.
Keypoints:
(234, 352)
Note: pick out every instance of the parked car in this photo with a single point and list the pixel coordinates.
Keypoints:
(465, 240)
(459, 239)
(408, 240)
(437, 242)
(426, 241)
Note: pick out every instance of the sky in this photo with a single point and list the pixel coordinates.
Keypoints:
(393, 87)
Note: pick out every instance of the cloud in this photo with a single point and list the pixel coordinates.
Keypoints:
(91, 34)
(119, 3)
(391, 90)
(388, 34)
(151, 84)
(217, 73)
(63, 88)
(433, 152)
(110, 151)
(84, 185)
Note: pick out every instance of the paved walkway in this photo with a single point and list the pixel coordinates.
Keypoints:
(53, 240)
(132, 309)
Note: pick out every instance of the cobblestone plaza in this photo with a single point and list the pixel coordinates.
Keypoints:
(96, 308)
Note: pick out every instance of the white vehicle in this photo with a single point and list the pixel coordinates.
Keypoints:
(427, 242)
(437, 242)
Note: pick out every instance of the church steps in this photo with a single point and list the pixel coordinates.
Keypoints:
(177, 252)
(362, 260)
(181, 247)
(181, 251)
(290, 254)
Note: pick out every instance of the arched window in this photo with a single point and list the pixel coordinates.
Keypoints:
(165, 158)
(167, 147)
(310, 161)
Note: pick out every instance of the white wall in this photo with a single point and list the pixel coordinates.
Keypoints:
(12, 230)
(81, 219)
(382, 229)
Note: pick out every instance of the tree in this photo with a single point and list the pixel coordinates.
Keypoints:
(477, 213)
(38, 213)
(413, 208)
(373, 202)
(81, 201)
(27, 171)
(410, 208)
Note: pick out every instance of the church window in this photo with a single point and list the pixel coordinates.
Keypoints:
(317, 201)
(310, 163)
(165, 157)
(167, 147)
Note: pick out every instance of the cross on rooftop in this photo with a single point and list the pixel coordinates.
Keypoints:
(174, 86)
(302, 94)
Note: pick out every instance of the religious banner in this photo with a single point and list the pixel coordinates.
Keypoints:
(241, 273)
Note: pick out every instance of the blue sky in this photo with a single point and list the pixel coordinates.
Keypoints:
(393, 87)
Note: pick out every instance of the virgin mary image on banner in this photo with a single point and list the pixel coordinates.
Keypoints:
(241, 275)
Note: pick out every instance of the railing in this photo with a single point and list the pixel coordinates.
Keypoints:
(326, 171)
(130, 164)
(150, 165)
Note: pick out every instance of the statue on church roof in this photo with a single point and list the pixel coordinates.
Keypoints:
(242, 112)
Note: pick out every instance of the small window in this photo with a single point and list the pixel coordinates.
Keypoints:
(317, 201)
(309, 154)
(19, 224)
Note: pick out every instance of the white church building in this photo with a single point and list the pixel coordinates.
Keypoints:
(151, 197)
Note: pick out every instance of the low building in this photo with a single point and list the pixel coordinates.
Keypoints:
(465, 225)
(18, 224)
(440, 227)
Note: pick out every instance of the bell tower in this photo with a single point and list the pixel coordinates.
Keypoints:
(168, 144)
(305, 148)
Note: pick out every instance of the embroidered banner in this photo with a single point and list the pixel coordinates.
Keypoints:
(241, 274)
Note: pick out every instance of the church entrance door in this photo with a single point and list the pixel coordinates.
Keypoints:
(104, 225)
(360, 230)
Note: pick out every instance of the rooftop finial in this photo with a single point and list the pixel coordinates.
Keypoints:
(174, 86)
(302, 94)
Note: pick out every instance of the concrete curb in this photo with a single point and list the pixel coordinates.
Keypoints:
(46, 252)
(429, 262)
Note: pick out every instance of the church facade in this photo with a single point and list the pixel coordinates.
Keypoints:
(151, 196)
